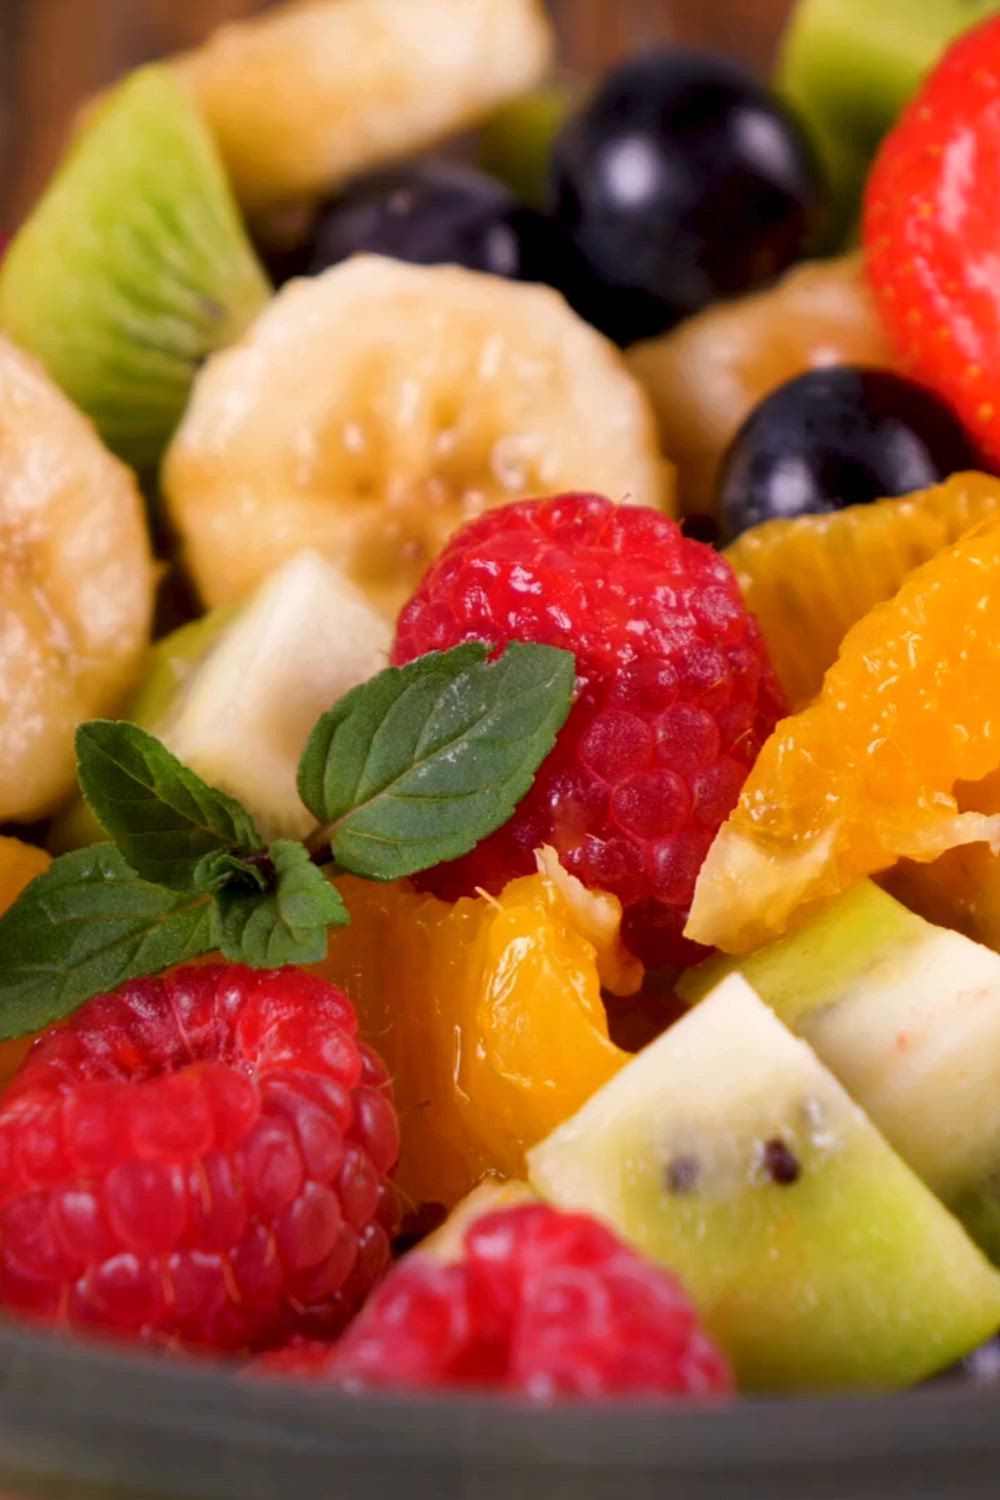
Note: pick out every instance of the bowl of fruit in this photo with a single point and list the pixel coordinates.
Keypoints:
(499, 767)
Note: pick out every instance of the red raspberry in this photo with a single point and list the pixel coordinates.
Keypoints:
(932, 232)
(675, 695)
(545, 1304)
(199, 1160)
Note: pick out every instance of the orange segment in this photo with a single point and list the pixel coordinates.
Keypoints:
(809, 580)
(867, 773)
(19, 864)
(488, 1013)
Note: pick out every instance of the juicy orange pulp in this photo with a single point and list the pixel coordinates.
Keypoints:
(19, 864)
(488, 1013)
(866, 774)
(808, 580)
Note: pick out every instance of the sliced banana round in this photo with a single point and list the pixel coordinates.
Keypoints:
(76, 585)
(309, 94)
(371, 410)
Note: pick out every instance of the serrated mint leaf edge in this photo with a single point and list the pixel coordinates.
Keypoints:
(110, 750)
(51, 988)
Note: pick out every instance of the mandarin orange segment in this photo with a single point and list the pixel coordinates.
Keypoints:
(866, 774)
(19, 864)
(488, 1013)
(808, 580)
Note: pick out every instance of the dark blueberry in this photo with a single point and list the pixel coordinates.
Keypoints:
(436, 212)
(682, 181)
(836, 437)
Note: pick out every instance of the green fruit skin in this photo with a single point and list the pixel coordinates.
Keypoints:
(847, 67)
(907, 1016)
(133, 266)
(168, 665)
(516, 141)
(852, 1275)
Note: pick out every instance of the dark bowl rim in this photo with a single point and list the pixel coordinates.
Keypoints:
(74, 1408)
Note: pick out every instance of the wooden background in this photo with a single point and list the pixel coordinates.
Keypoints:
(53, 53)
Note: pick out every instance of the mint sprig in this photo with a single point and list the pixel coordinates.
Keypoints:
(409, 769)
(86, 925)
(417, 765)
(287, 924)
(162, 817)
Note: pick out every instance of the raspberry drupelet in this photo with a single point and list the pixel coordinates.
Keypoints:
(675, 695)
(544, 1304)
(199, 1160)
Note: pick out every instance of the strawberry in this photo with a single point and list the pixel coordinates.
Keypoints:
(932, 233)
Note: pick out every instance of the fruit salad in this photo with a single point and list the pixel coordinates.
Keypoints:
(499, 761)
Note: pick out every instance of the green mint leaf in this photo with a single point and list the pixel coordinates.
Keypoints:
(161, 815)
(85, 926)
(215, 871)
(285, 925)
(420, 763)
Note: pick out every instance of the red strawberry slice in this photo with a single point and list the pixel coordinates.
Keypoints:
(932, 233)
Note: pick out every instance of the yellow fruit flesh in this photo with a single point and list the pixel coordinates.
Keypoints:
(373, 409)
(308, 95)
(705, 376)
(76, 585)
(488, 1013)
(866, 774)
(19, 864)
(809, 580)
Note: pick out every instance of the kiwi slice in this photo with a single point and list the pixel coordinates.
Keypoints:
(817, 1258)
(515, 142)
(847, 67)
(133, 266)
(907, 1015)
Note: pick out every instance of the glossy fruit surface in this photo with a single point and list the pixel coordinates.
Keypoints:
(306, 96)
(932, 232)
(375, 408)
(545, 1304)
(867, 772)
(675, 696)
(681, 181)
(706, 376)
(729, 1154)
(488, 1013)
(808, 581)
(837, 437)
(76, 585)
(198, 1160)
(436, 212)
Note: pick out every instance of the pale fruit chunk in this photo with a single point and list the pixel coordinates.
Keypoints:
(708, 374)
(373, 409)
(494, 1193)
(76, 585)
(818, 1260)
(236, 694)
(308, 95)
(907, 1016)
(243, 715)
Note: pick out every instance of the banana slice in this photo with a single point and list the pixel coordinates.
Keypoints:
(309, 94)
(371, 410)
(76, 585)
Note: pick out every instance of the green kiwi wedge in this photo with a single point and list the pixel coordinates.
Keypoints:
(134, 265)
